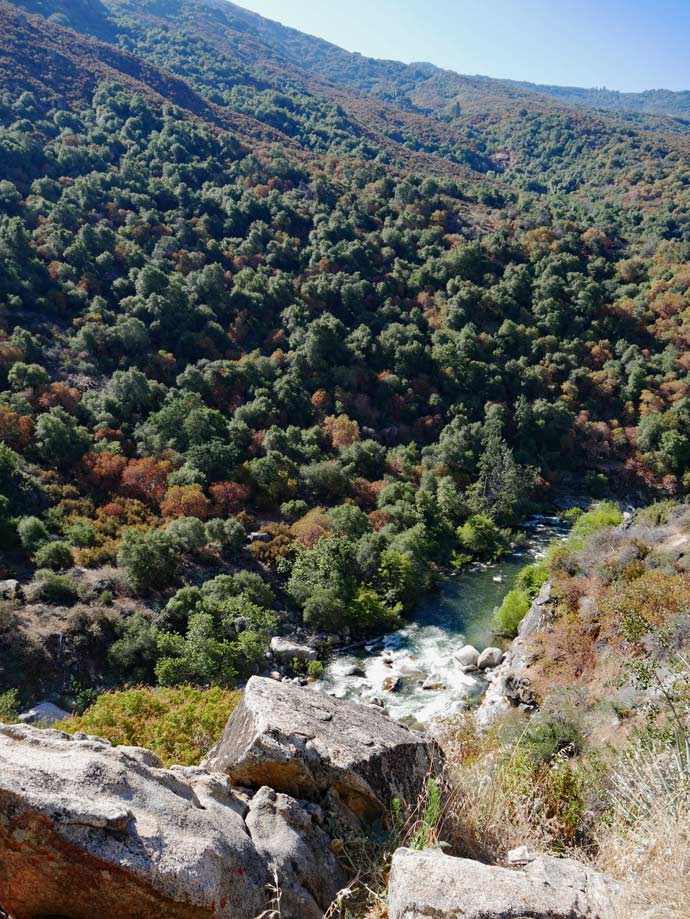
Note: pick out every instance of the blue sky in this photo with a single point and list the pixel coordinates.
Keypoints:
(622, 44)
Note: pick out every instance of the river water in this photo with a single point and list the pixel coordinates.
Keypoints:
(461, 613)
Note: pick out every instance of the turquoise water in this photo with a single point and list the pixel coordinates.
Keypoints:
(461, 613)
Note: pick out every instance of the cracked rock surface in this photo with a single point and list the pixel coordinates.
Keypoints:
(305, 743)
(431, 885)
(90, 830)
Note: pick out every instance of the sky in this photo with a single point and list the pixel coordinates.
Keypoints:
(629, 45)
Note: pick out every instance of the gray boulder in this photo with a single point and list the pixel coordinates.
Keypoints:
(90, 830)
(467, 656)
(43, 712)
(10, 589)
(287, 650)
(490, 658)
(430, 884)
(310, 745)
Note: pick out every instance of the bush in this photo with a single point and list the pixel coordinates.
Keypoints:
(511, 612)
(315, 669)
(532, 578)
(55, 555)
(133, 656)
(293, 510)
(186, 533)
(548, 735)
(481, 538)
(81, 533)
(149, 558)
(32, 533)
(9, 706)
(179, 724)
(49, 587)
(603, 515)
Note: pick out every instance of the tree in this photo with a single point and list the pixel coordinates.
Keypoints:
(186, 501)
(61, 440)
(55, 555)
(502, 484)
(146, 479)
(149, 558)
(186, 534)
(201, 657)
(32, 533)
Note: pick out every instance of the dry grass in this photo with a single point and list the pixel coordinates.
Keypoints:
(646, 843)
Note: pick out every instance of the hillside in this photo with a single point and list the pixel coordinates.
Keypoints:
(299, 352)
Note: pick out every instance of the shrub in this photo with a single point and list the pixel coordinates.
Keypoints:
(32, 533)
(532, 578)
(81, 533)
(511, 612)
(49, 587)
(548, 735)
(9, 706)
(603, 515)
(55, 555)
(315, 669)
(481, 537)
(149, 558)
(133, 656)
(293, 510)
(186, 533)
(179, 724)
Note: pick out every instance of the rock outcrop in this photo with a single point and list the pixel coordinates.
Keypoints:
(46, 713)
(286, 650)
(431, 885)
(89, 830)
(510, 685)
(309, 745)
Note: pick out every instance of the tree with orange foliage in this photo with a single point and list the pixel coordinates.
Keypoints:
(228, 498)
(15, 430)
(104, 470)
(146, 479)
(342, 430)
(321, 401)
(59, 394)
(186, 501)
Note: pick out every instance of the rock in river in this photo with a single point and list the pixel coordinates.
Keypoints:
(287, 650)
(467, 656)
(490, 658)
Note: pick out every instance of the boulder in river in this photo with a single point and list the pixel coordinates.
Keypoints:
(90, 830)
(287, 650)
(434, 681)
(429, 883)
(354, 670)
(490, 658)
(467, 656)
(312, 746)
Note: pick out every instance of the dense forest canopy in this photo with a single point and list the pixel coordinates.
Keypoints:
(273, 340)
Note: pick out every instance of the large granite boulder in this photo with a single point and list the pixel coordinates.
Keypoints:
(89, 830)
(309, 745)
(431, 885)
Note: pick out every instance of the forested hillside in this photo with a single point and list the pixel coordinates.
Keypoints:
(278, 346)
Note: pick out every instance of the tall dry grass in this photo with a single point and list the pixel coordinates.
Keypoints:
(645, 843)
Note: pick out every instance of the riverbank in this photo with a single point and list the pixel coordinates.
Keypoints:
(413, 672)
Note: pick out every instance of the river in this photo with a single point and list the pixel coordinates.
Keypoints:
(460, 613)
